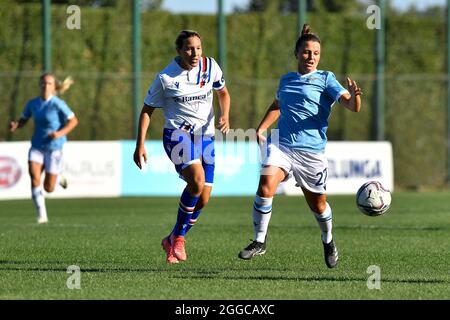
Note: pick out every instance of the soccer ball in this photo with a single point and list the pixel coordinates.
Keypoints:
(373, 199)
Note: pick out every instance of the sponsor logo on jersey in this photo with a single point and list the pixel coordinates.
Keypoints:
(192, 98)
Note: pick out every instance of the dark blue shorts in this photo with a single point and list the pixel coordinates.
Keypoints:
(184, 148)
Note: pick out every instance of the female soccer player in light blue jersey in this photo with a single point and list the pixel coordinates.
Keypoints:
(53, 120)
(184, 91)
(302, 107)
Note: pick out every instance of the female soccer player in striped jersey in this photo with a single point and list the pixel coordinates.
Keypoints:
(53, 120)
(302, 107)
(184, 91)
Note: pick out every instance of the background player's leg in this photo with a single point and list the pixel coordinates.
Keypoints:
(35, 170)
(50, 182)
(53, 163)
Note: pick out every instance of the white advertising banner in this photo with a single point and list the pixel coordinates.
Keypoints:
(106, 169)
(14, 178)
(92, 169)
(350, 164)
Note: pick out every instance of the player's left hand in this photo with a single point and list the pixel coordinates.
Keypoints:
(353, 88)
(224, 125)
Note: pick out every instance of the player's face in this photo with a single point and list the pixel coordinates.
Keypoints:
(190, 53)
(308, 57)
(47, 84)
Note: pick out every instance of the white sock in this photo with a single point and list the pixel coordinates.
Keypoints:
(262, 211)
(325, 223)
(39, 201)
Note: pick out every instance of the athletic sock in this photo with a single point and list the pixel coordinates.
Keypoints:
(325, 223)
(185, 211)
(39, 202)
(192, 220)
(262, 211)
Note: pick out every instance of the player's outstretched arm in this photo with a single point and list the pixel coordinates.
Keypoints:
(272, 115)
(140, 154)
(351, 100)
(224, 103)
(14, 125)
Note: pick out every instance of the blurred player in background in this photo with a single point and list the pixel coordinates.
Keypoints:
(53, 120)
(302, 107)
(184, 90)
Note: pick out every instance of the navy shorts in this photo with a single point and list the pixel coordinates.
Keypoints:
(184, 148)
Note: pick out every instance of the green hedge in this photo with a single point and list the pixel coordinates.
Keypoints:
(259, 50)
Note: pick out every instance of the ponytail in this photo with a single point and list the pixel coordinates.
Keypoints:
(306, 35)
(62, 86)
(306, 29)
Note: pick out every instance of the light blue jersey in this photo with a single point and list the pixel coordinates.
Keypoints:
(305, 105)
(50, 115)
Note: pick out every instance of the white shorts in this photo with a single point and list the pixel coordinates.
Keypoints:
(52, 160)
(309, 169)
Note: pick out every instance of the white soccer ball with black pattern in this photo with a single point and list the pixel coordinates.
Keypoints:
(373, 199)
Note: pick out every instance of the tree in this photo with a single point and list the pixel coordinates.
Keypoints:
(290, 6)
(146, 4)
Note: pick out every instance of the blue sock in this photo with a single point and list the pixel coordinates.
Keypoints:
(185, 211)
(192, 220)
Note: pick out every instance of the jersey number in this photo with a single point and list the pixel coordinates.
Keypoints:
(322, 177)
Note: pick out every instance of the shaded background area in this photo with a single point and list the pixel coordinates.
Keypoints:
(260, 46)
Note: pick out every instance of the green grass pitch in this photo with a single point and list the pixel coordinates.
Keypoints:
(116, 244)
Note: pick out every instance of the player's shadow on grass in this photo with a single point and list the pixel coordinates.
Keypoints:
(6, 265)
(310, 278)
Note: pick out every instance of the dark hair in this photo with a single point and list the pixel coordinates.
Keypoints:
(183, 35)
(306, 35)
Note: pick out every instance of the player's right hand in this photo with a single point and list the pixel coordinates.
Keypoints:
(260, 138)
(13, 125)
(140, 157)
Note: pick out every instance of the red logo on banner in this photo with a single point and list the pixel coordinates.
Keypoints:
(10, 172)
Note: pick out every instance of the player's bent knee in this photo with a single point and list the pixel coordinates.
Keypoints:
(319, 207)
(202, 202)
(49, 189)
(265, 191)
(196, 187)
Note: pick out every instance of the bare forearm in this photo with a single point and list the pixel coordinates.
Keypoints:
(352, 99)
(224, 102)
(70, 125)
(144, 123)
(353, 103)
(272, 115)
